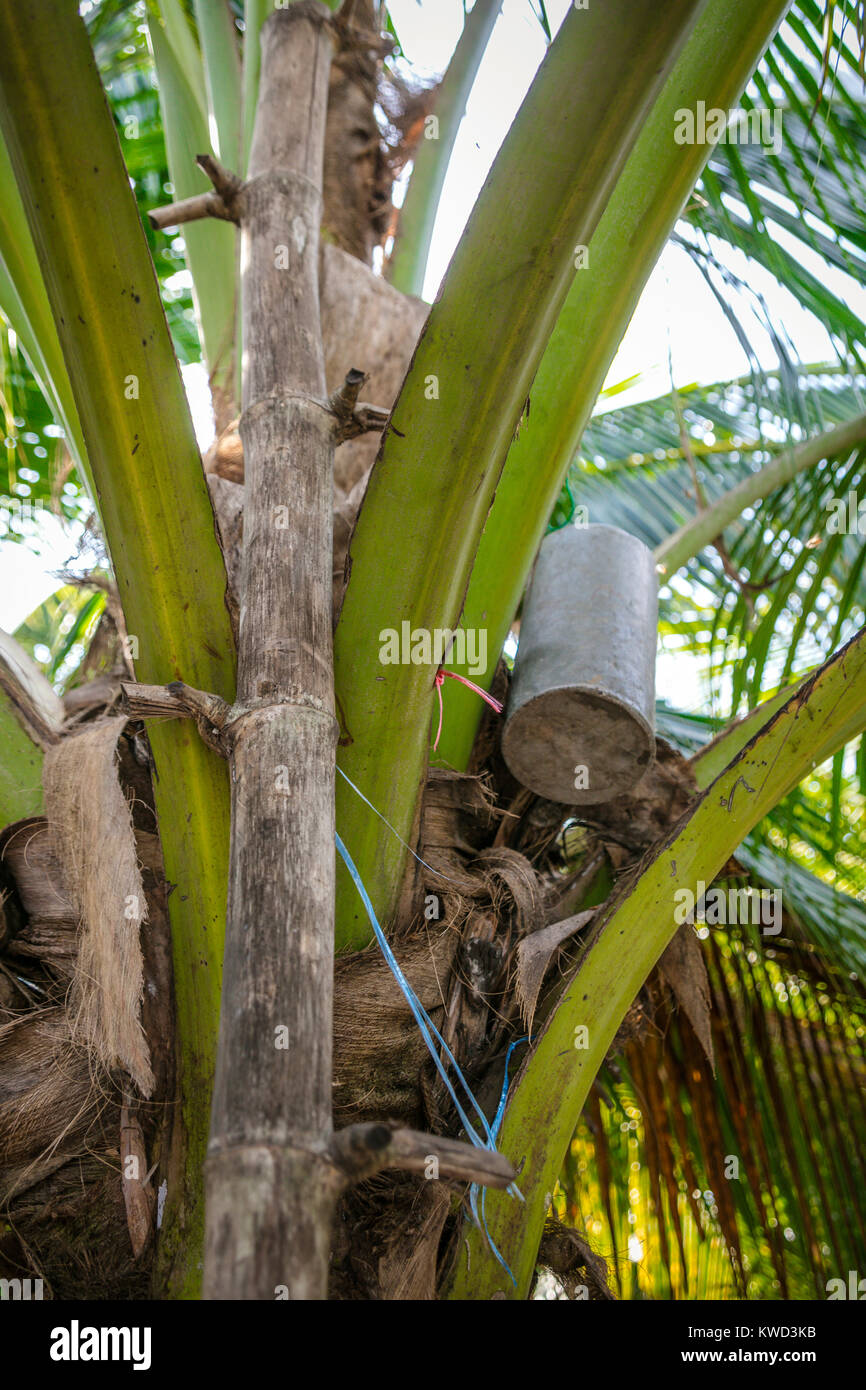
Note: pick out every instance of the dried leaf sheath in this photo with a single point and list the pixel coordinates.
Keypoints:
(94, 840)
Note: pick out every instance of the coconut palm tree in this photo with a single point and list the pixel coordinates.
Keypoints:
(481, 1039)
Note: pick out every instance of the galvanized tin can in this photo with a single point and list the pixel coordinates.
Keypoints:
(580, 720)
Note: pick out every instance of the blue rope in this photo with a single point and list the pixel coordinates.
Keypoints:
(473, 1191)
(422, 1018)
(503, 1095)
(428, 1027)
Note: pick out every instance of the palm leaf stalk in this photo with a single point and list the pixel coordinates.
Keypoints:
(210, 246)
(408, 260)
(712, 520)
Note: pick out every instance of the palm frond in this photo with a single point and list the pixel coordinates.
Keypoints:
(795, 204)
(787, 588)
(742, 1183)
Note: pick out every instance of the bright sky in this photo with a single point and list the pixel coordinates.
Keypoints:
(676, 315)
(677, 310)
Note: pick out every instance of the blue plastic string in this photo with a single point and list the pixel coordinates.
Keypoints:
(422, 1018)
(428, 1027)
(473, 1191)
(503, 1095)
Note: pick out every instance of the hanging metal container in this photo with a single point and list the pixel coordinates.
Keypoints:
(580, 720)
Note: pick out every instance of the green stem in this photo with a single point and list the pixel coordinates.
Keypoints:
(709, 761)
(222, 70)
(255, 14)
(725, 45)
(153, 502)
(418, 213)
(179, 37)
(25, 306)
(20, 768)
(210, 244)
(31, 715)
(691, 538)
(551, 1089)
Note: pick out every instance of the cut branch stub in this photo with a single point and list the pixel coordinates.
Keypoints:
(360, 1151)
(178, 701)
(226, 184)
(354, 418)
(223, 202)
(189, 210)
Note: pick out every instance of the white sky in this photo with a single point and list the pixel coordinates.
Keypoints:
(677, 312)
(677, 309)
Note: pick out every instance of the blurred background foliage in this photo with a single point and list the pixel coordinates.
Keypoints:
(742, 1184)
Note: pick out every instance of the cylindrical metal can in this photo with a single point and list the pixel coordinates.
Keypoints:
(581, 713)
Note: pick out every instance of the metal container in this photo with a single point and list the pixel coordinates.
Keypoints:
(580, 720)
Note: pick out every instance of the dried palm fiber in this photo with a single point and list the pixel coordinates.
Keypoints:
(94, 841)
(356, 181)
(488, 902)
(408, 1265)
(63, 1129)
(682, 967)
(494, 895)
(456, 815)
(387, 1239)
(49, 929)
(365, 153)
(378, 1050)
(638, 820)
(481, 1004)
(48, 1101)
(578, 1268)
(499, 890)
(628, 827)
(488, 897)
(70, 1230)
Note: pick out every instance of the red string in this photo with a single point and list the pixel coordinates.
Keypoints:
(440, 681)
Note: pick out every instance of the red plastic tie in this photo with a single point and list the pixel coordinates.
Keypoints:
(440, 681)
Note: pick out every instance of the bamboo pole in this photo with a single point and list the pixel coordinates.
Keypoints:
(270, 1187)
